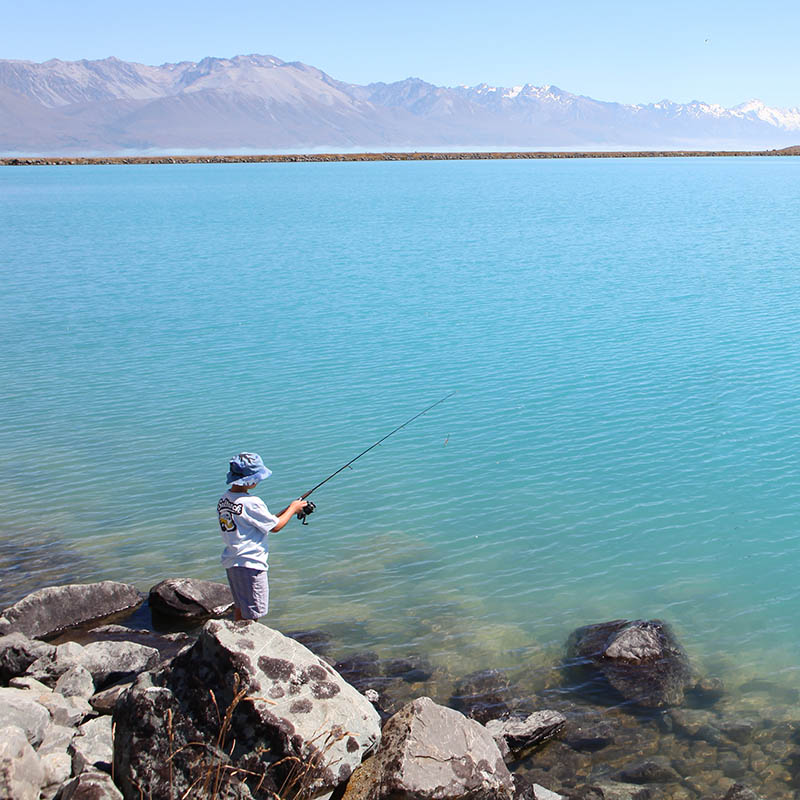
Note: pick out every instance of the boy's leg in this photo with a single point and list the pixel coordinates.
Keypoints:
(250, 590)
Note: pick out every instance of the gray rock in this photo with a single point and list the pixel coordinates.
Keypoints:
(540, 793)
(18, 652)
(57, 768)
(651, 770)
(740, 792)
(104, 702)
(56, 740)
(50, 667)
(188, 598)
(65, 711)
(29, 684)
(168, 645)
(91, 785)
(523, 733)
(56, 608)
(91, 748)
(429, 752)
(19, 708)
(21, 773)
(110, 662)
(77, 681)
(612, 790)
(284, 704)
(641, 660)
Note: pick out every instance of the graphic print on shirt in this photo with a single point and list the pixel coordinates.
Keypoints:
(227, 510)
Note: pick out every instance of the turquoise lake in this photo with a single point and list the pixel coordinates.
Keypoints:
(623, 336)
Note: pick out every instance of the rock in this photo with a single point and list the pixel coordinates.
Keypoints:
(91, 748)
(247, 683)
(77, 681)
(740, 792)
(482, 695)
(362, 670)
(91, 785)
(521, 734)
(104, 702)
(188, 598)
(21, 773)
(66, 711)
(707, 691)
(641, 660)
(18, 652)
(19, 709)
(29, 684)
(50, 667)
(411, 669)
(111, 662)
(611, 790)
(540, 793)
(652, 770)
(168, 645)
(56, 740)
(56, 767)
(590, 733)
(738, 730)
(48, 611)
(429, 752)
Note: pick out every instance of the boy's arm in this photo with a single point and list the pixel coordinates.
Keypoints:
(288, 513)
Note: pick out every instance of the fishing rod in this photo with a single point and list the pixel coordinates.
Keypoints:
(309, 508)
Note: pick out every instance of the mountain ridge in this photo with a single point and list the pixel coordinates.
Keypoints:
(261, 102)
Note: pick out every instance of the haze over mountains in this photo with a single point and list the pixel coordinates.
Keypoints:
(261, 104)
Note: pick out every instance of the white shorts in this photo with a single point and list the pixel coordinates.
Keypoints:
(250, 590)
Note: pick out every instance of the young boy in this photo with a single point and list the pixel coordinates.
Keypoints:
(245, 522)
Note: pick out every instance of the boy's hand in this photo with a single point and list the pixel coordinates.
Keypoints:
(298, 505)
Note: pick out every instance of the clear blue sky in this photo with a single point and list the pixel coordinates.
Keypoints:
(723, 52)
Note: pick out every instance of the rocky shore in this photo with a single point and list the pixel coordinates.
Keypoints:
(240, 710)
(23, 161)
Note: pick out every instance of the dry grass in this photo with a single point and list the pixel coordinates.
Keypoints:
(214, 772)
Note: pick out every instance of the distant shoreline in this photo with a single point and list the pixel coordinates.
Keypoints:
(23, 161)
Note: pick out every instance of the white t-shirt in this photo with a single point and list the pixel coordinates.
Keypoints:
(245, 521)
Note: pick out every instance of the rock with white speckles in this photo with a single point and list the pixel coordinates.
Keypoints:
(285, 705)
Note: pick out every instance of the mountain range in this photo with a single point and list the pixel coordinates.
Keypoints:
(259, 103)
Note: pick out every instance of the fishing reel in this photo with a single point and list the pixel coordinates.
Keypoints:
(309, 509)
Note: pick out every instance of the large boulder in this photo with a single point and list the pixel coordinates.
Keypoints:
(188, 598)
(247, 704)
(429, 752)
(21, 773)
(18, 652)
(641, 660)
(48, 611)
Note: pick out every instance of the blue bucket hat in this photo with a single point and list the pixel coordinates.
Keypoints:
(247, 469)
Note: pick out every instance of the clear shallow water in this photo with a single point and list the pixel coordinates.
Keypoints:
(623, 336)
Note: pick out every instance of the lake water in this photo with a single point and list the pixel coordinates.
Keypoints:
(623, 336)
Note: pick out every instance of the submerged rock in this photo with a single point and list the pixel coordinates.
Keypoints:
(51, 610)
(482, 695)
(641, 660)
(429, 752)
(188, 598)
(520, 734)
(286, 709)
